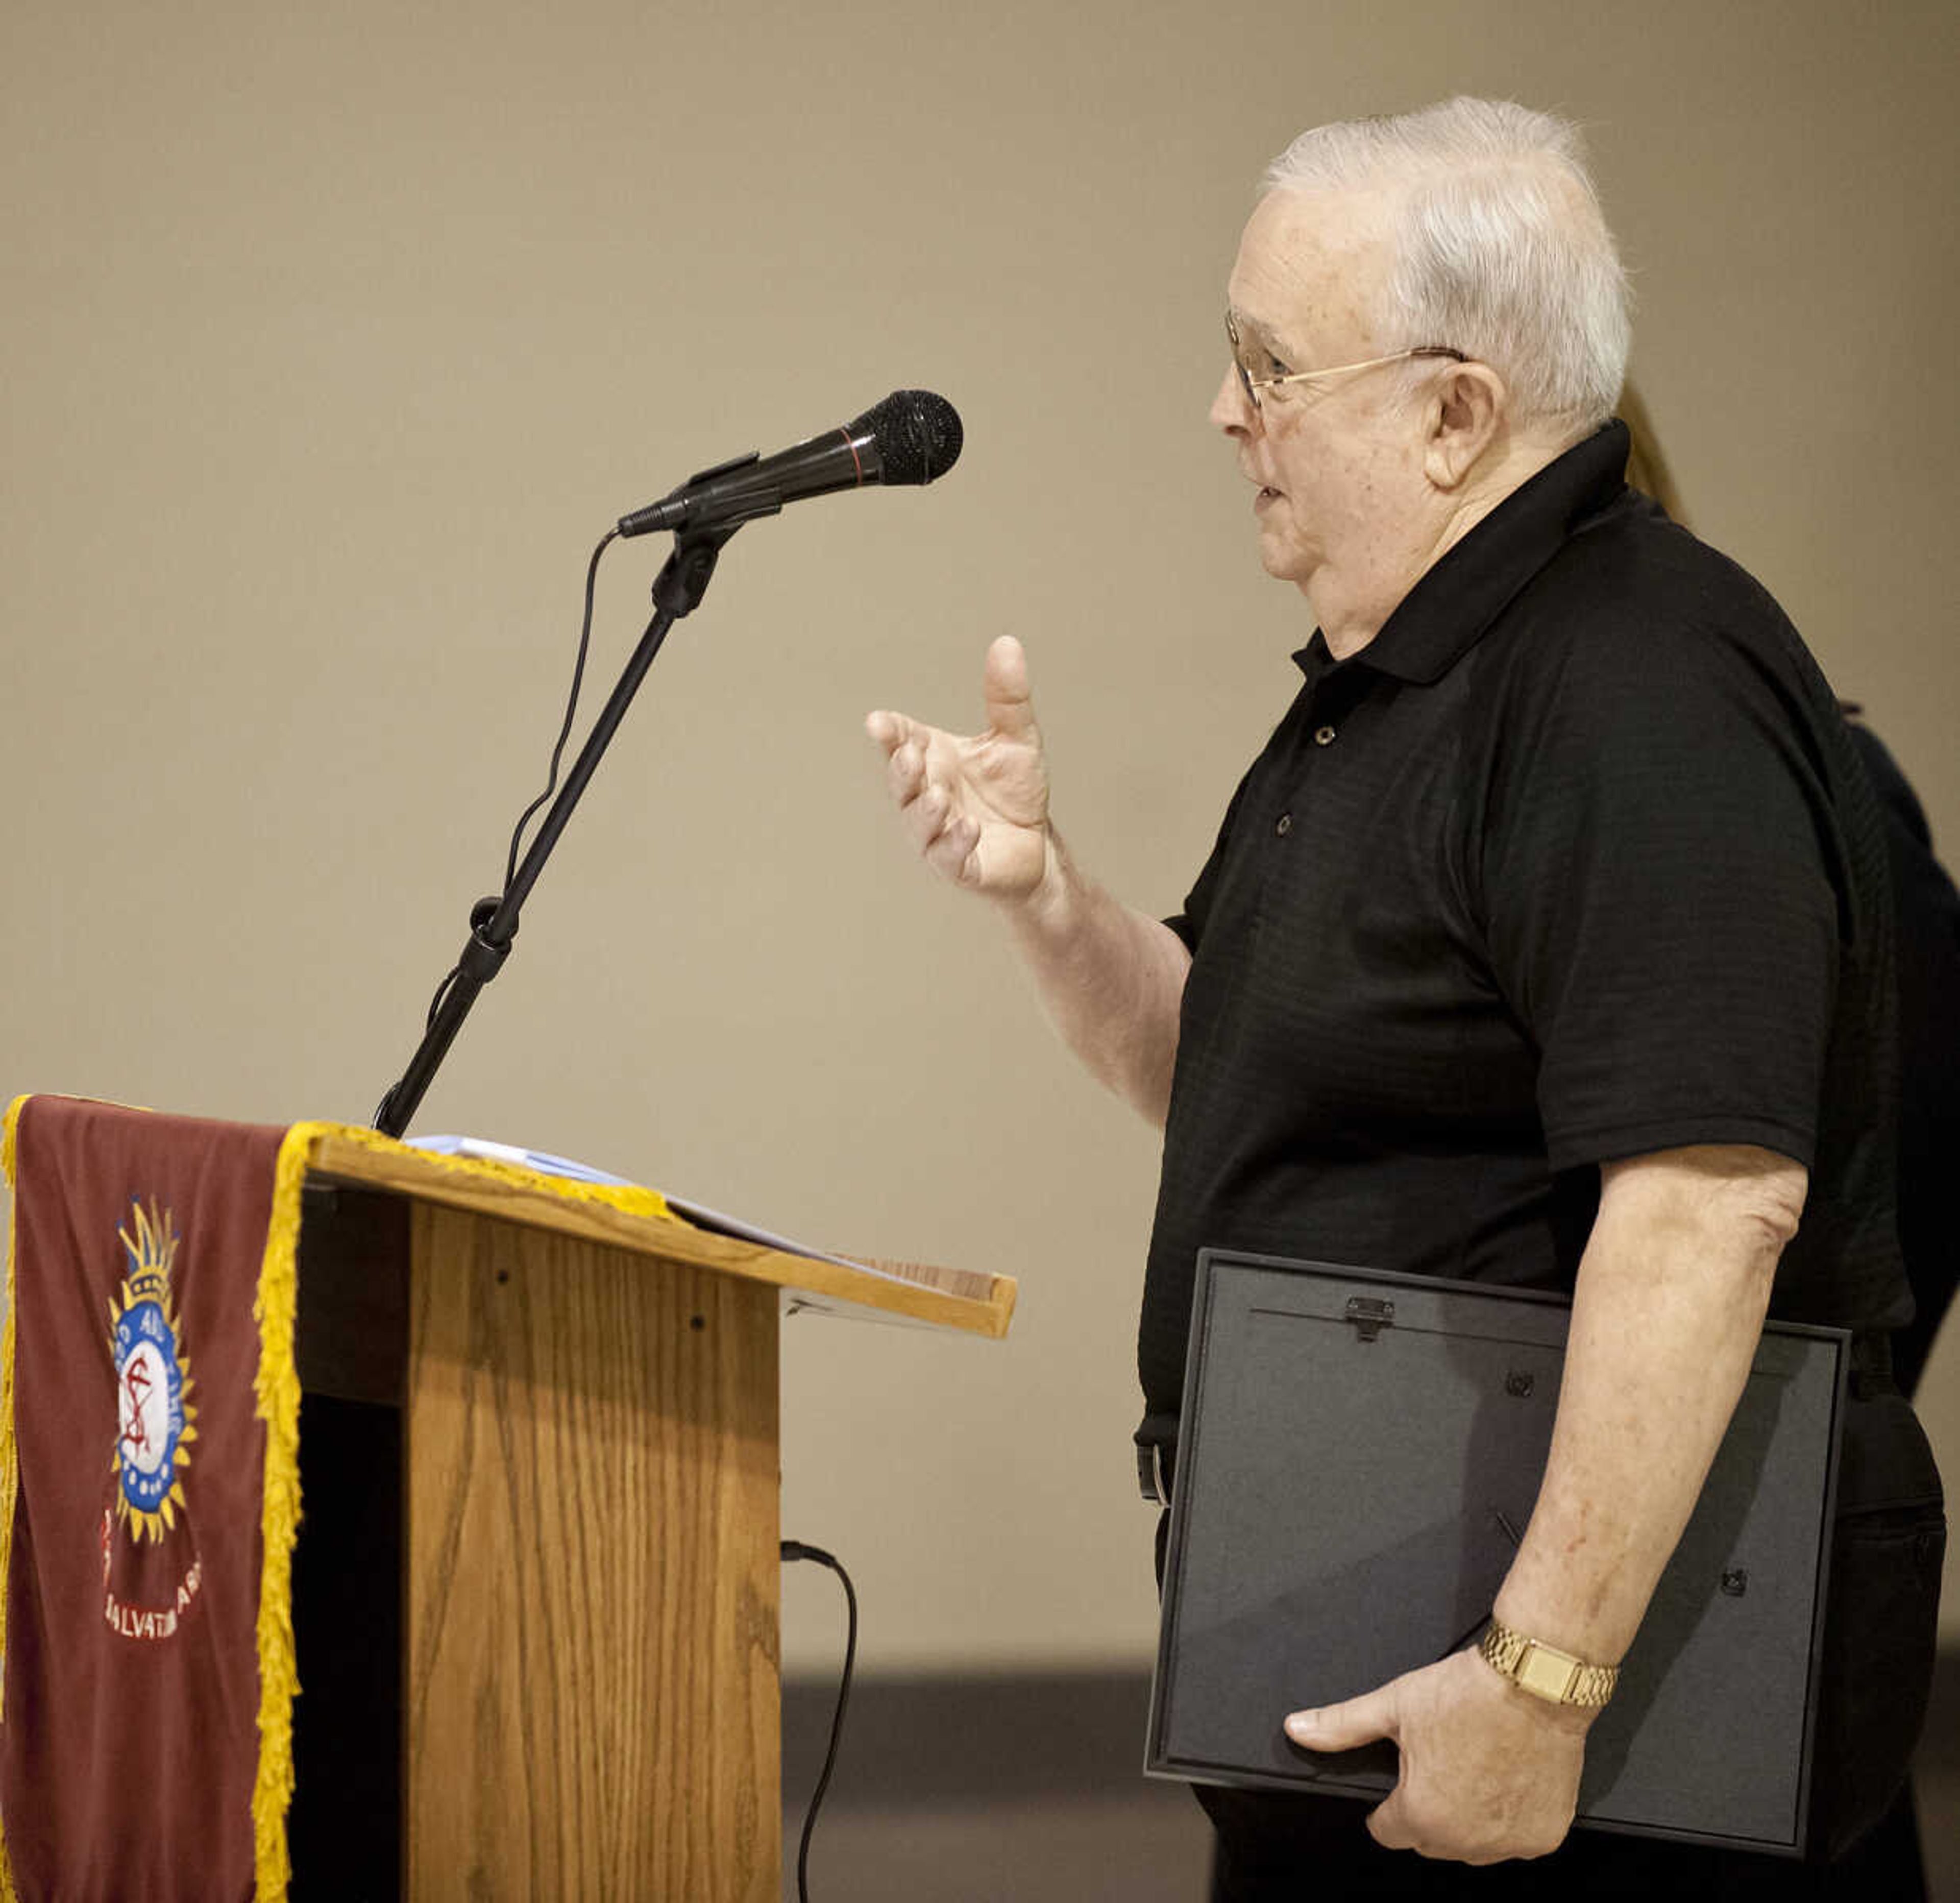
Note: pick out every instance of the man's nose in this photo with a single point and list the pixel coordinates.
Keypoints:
(1230, 411)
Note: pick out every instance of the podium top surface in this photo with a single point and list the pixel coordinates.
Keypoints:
(962, 1300)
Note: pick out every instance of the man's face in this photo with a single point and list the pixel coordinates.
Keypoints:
(1338, 462)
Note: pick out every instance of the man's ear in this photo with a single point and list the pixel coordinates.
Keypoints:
(1469, 408)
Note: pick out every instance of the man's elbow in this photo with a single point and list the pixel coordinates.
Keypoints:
(1774, 1204)
(1751, 1197)
(1763, 1194)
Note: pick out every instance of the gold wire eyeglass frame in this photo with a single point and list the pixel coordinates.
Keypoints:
(1252, 385)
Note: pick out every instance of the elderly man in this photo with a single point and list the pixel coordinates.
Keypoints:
(1544, 943)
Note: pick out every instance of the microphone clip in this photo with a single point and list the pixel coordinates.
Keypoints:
(689, 566)
(673, 510)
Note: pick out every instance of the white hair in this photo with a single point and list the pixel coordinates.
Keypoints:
(1498, 246)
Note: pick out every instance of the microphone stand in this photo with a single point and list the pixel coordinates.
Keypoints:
(678, 589)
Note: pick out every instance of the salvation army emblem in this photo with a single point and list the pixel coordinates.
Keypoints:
(155, 1416)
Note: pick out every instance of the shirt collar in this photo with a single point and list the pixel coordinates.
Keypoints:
(1457, 598)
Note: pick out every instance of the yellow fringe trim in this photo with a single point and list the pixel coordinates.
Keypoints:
(630, 1199)
(277, 1392)
(10, 1463)
(10, 1467)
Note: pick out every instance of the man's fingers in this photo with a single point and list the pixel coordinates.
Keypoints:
(1388, 1824)
(1011, 710)
(904, 773)
(893, 730)
(925, 816)
(1340, 1727)
(948, 853)
(940, 782)
(942, 837)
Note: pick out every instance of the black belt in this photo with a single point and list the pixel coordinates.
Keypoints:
(1157, 1457)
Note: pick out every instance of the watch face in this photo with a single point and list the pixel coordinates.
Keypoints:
(1548, 1674)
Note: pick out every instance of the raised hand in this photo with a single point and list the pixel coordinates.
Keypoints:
(976, 805)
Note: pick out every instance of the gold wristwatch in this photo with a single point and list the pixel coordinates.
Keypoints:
(1545, 1671)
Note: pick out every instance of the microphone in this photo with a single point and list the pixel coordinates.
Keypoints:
(913, 436)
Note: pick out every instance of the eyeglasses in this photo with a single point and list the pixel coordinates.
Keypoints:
(1252, 385)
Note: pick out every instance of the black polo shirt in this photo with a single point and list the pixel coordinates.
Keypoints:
(1573, 862)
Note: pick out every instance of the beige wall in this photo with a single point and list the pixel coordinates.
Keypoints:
(334, 336)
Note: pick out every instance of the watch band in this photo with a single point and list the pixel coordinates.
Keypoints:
(1545, 1671)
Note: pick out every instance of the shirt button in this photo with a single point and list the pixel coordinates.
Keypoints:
(1283, 825)
(1323, 736)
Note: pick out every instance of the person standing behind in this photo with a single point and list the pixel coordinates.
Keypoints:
(1927, 911)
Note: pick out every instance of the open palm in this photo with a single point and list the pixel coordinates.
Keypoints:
(975, 805)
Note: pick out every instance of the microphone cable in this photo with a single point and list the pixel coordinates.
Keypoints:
(795, 1549)
(570, 711)
(485, 909)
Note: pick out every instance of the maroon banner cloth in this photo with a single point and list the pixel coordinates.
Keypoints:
(129, 1733)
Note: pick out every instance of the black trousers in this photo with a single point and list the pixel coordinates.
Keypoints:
(1319, 1849)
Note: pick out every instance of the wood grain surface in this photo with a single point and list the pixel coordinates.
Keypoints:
(592, 1694)
(962, 1299)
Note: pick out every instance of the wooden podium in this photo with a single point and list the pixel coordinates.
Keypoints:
(535, 1591)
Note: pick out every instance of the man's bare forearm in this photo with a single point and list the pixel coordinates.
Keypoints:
(1669, 1304)
(1111, 978)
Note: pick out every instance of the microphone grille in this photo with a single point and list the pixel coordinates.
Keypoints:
(918, 435)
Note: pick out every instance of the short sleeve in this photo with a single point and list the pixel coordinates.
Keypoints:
(1189, 923)
(1661, 876)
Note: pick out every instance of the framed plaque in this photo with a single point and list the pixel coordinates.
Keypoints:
(1358, 1456)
